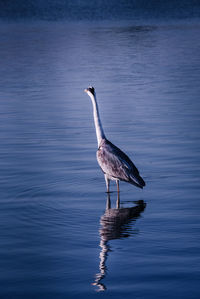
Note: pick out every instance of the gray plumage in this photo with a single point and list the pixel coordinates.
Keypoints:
(117, 165)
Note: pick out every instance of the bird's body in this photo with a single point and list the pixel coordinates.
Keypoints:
(114, 163)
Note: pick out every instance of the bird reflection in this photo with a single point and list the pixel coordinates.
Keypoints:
(115, 224)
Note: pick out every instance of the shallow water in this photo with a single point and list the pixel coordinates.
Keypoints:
(57, 240)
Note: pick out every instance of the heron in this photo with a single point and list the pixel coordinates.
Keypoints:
(114, 163)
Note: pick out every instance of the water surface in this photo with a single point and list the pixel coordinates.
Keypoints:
(57, 238)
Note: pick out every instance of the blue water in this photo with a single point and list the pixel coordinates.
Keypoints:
(99, 10)
(58, 240)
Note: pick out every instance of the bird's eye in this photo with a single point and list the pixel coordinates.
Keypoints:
(91, 89)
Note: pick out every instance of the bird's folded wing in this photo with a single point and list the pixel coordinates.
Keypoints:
(114, 162)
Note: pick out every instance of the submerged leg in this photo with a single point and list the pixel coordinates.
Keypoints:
(108, 204)
(107, 183)
(118, 202)
(118, 197)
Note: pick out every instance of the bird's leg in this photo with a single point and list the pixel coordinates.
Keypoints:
(108, 204)
(107, 183)
(118, 197)
(118, 202)
(117, 182)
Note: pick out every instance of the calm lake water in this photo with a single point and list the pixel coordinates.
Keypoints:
(57, 238)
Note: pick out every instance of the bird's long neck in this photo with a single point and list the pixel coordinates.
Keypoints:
(98, 126)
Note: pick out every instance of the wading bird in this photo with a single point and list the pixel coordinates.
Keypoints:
(114, 163)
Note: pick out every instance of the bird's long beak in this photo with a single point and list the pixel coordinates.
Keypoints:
(86, 90)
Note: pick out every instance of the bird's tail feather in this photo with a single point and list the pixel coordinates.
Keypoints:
(137, 181)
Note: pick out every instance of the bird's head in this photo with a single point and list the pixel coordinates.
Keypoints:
(90, 91)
